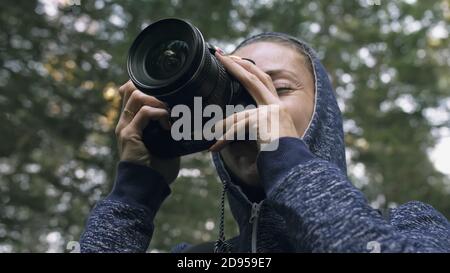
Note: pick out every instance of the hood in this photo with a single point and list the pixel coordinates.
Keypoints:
(324, 135)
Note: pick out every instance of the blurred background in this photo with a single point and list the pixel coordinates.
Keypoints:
(62, 62)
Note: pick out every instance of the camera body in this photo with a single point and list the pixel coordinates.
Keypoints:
(171, 61)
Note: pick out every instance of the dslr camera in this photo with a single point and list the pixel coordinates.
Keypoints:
(171, 61)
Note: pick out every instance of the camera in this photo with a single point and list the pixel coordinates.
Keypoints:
(171, 61)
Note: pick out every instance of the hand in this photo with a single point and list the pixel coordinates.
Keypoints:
(270, 111)
(137, 110)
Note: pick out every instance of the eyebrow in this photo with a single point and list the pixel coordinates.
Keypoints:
(275, 72)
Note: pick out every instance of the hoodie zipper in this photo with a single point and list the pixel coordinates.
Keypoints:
(254, 215)
(254, 221)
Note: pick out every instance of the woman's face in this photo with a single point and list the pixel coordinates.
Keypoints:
(295, 87)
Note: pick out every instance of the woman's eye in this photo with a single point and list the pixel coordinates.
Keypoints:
(283, 90)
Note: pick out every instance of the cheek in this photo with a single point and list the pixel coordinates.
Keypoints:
(300, 107)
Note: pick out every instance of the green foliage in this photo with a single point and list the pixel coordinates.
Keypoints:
(62, 65)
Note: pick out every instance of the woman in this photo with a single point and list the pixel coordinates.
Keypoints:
(295, 198)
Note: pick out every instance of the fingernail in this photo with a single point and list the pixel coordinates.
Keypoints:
(220, 51)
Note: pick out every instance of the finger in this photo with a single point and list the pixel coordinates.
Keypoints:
(250, 81)
(126, 90)
(232, 128)
(229, 121)
(134, 104)
(147, 113)
(240, 127)
(138, 99)
(262, 76)
(126, 86)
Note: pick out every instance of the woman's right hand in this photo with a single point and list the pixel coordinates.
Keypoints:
(137, 110)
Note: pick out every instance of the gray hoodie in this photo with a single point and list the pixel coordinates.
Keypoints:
(309, 205)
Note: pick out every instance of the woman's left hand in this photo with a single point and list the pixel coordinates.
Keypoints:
(269, 114)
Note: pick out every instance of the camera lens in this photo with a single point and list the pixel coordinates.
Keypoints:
(167, 59)
(170, 60)
(165, 56)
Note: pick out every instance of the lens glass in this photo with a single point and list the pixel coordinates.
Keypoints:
(167, 59)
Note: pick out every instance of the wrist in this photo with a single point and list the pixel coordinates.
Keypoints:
(274, 166)
(139, 186)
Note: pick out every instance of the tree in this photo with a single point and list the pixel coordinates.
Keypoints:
(62, 65)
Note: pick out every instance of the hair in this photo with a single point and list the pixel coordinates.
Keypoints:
(281, 39)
